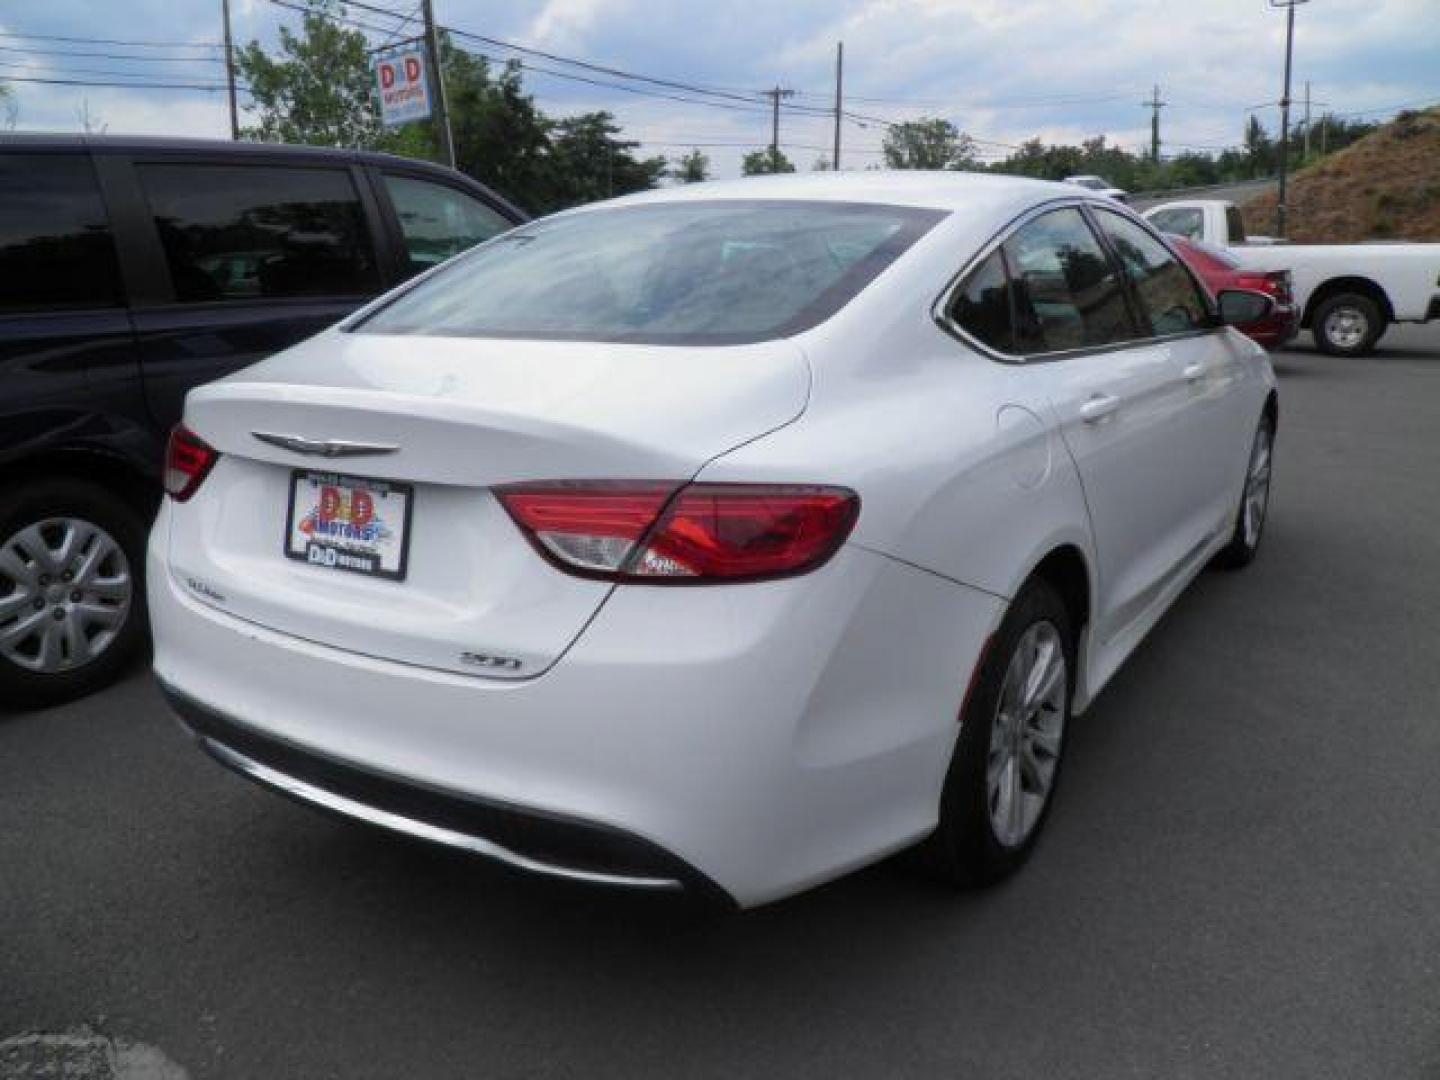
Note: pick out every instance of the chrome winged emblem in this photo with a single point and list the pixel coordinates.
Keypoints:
(330, 448)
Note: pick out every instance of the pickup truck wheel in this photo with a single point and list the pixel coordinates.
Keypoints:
(1348, 324)
(72, 591)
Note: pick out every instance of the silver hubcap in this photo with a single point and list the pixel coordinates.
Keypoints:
(1346, 327)
(1026, 733)
(1257, 487)
(65, 590)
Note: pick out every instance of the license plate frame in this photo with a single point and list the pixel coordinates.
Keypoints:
(352, 554)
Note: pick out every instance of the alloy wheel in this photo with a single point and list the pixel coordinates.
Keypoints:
(1026, 734)
(1257, 486)
(65, 591)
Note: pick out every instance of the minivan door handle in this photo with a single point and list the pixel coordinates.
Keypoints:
(1097, 407)
(1193, 372)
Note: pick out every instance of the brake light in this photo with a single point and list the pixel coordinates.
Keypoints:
(188, 460)
(1274, 283)
(666, 533)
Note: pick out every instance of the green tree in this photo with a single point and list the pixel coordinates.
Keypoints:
(762, 162)
(319, 89)
(588, 162)
(929, 144)
(691, 168)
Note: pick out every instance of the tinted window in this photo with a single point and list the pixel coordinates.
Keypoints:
(247, 232)
(718, 272)
(1235, 224)
(982, 305)
(1186, 223)
(1067, 295)
(438, 221)
(55, 247)
(1169, 299)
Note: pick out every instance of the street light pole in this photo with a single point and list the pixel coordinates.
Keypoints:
(839, 82)
(440, 107)
(1280, 208)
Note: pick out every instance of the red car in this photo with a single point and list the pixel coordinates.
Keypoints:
(1219, 270)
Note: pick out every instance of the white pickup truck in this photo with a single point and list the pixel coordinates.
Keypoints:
(1348, 293)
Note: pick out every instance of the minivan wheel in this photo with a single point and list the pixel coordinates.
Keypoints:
(1002, 777)
(72, 591)
(1348, 324)
(1254, 501)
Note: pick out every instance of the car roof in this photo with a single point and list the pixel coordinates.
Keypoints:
(928, 190)
(48, 140)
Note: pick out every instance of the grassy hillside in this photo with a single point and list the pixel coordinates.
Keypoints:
(1384, 187)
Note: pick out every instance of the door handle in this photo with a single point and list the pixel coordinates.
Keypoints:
(1097, 407)
(1193, 372)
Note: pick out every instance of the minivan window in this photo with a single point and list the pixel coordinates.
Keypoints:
(1067, 294)
(982, 305)
(1170, 301)
(253, 232)
(701, 272)
(438, 221)
(55, 247)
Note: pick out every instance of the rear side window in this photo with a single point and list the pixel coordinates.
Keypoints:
(55, 247)
(438, 221)
(1170, 301)
(255, 232)
(982, 305)
(1067, 294)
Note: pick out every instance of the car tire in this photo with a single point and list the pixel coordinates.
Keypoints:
(1347, 324)
(74, 553)
(1254, 501)
(989, 822)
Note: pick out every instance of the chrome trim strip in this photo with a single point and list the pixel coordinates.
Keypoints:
(328, 800)
(329, 448)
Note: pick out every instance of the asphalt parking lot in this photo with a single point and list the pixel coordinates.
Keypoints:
(1242, 876)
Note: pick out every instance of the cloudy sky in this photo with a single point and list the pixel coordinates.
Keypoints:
(1003, 70)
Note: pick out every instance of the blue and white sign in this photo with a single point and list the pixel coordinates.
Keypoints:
(404, 87)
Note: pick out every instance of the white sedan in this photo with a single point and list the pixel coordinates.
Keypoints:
(727, 537)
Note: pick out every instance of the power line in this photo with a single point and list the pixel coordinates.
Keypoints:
(131, 85)
(114, 41)
(30, 50)
(9, 64)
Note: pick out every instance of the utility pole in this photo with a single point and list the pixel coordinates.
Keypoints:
(1289, 6)
(839, 84)
(1306, 156)
(441, 110)
(230, 72)
(775, 94)
(1154, 105)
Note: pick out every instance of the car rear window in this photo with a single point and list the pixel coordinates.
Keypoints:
(704, 272)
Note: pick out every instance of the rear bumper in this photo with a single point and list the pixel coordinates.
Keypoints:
(1276, 330)
(525, 839)
(748, 741)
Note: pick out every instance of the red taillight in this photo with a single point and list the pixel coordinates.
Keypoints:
(702, 532)
(188, 460)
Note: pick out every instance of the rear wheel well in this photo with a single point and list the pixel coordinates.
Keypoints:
(1272, 410)
(88, 466)
(1335, 286)
(1064, 571)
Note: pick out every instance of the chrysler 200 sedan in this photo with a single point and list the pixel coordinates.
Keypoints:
(727, 537)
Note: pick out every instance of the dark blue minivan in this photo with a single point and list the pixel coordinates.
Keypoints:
(132, 269)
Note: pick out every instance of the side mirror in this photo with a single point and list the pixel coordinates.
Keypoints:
(1241, 306)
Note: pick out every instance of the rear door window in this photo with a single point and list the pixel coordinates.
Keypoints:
(438, 221)
(260, 232)
(1170, 301)
(56, 252)
(1066, 290)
